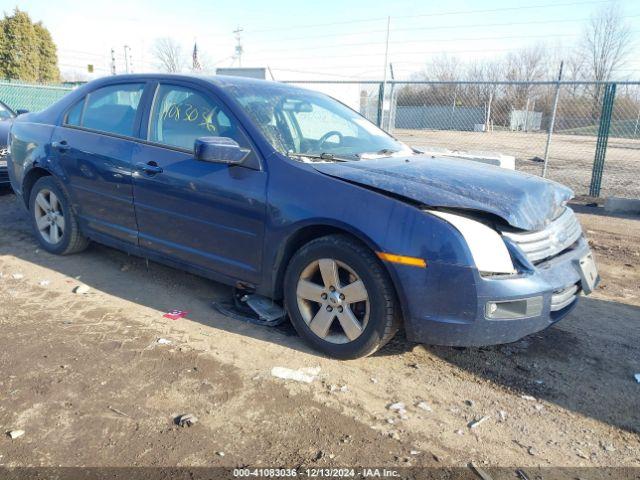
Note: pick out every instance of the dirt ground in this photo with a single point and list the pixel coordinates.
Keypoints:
(84, 376)
(570, 158)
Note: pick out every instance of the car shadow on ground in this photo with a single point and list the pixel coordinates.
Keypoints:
(585, 363)
(575, 364)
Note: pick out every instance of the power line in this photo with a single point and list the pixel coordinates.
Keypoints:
(443, 27)
(435, 14)
(341, 45)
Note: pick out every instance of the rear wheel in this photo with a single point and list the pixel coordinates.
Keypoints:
(339, 297)
(54, 223)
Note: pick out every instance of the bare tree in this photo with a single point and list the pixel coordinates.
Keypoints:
(444, 68)
(525, 65)
(574, 71)
(606, 44)
(483, 71)
(168, 54)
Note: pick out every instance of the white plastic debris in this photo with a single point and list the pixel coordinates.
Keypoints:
(503, 415)
(44, 283)
(414, 452)
(163, 341)
(81, 289)
(305, 375)
(397, 407)
(476, 423)
(15, 434)
(528, 398)
(17, 276)
(423, 406)
(637, 377)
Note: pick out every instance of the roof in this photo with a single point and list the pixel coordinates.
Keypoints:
(221, 81)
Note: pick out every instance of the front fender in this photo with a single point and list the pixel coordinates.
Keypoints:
(300, 197)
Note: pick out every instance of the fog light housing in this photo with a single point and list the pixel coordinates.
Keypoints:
(514, 309)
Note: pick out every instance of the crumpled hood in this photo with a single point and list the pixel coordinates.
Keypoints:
(522, 200)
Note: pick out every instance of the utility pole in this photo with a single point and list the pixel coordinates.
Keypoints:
(126, 58)
(386, 68)
(239, 49)
(552, 122)
(113, 62)
(391, 119)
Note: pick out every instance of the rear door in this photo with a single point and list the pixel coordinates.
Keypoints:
(208, 215)
(93, 147)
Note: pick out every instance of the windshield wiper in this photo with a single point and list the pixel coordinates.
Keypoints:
(315, 156)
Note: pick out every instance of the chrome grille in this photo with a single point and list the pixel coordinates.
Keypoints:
(558, 236)
(563, 298)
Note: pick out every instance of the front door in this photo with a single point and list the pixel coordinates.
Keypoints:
(208, 215)
(94, 146)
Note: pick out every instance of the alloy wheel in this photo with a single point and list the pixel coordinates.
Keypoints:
(333, 300)
(49, 216)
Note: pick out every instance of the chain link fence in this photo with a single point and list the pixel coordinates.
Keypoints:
(31, 96)
(583, 134)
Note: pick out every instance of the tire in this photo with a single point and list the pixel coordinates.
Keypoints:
(68, 238)
(312, 305)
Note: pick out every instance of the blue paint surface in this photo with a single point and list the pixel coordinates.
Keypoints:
(240, 224)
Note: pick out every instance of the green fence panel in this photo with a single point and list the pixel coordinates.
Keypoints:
(32, 97)
(603, 139)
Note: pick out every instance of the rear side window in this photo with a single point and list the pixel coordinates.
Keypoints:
(75, 114)
(111, 109)
(180, 115)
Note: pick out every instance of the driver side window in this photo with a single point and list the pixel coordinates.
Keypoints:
(180, 115)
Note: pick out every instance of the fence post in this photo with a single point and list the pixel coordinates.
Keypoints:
(380, 104)
(603, 139)
(552, 122)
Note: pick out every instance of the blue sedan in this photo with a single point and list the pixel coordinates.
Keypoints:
(291, 195)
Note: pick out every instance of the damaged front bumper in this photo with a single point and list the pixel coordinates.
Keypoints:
(454, 305)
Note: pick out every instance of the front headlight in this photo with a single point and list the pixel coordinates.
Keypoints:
(489, 251)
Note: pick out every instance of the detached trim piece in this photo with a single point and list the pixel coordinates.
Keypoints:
(401, 259)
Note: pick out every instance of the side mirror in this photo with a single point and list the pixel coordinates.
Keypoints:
(219, 150)
(20, 111)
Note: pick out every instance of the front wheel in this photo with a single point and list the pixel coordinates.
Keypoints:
(340, 299)
(54, 223)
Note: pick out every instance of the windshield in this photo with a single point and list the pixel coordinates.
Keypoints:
(300, 122)
(5, 113)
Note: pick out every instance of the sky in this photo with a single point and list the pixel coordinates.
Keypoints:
(299, 39)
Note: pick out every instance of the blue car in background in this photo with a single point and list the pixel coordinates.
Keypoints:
(290, 194)
(6, 117)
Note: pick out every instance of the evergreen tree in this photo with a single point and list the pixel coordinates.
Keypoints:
(48, 68)
(27, 51)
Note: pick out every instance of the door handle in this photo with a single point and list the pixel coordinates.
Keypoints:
(61, 146)
(150, 168)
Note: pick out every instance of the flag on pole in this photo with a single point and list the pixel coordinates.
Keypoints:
(196, 63)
